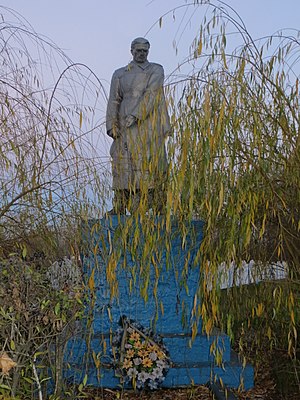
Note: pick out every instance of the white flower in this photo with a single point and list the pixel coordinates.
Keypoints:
(153, 384)
(161, 363)
(132, 372)
(143, 376)
(153, 356)
(137, 361)
(157, 372)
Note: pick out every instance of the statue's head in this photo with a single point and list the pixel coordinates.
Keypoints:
(140, 49)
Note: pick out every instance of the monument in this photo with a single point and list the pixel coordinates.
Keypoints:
(142, 270)
(137, 119)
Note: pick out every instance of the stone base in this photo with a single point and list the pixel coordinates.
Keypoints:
(162, 259)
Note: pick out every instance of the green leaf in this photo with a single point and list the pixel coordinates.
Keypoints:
(5, 387)
(85, 380)
(24, 251)
(29, 380)
(45, 379)
(57, 308)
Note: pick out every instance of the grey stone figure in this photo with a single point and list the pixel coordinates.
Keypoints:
(138, 121)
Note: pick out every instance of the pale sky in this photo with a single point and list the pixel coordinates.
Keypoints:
(98, 32)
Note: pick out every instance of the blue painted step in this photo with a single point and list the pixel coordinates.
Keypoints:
(231, 375)
(156, 270)
(181, 349)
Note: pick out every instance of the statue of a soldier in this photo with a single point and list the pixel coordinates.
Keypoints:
(137, 119)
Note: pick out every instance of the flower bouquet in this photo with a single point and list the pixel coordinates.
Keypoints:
(141, 357)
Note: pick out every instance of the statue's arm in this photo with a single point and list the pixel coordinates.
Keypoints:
(112, 112)
(150, 96)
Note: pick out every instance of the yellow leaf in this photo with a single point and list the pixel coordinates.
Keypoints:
(221, 198)
(195, 302)
(194, 330)
(293, 317)
(91, 282)
(109, 314)
(291, 299)
(214, 308)
(6, 363)
(162, 308)
(199, 49)
(208, 326)
(278, 251)
(259, 309)
(80, 119)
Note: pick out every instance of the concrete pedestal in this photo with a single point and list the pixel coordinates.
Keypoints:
(148, 270)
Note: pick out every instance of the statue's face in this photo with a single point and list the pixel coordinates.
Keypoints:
(140, 53)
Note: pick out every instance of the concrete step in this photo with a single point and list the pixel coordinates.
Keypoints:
(231, 374)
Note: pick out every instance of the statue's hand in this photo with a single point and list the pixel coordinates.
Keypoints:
(130, 120)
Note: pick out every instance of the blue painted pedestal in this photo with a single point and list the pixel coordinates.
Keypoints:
(149, 271)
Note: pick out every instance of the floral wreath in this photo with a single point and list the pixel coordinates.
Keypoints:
(140, 356)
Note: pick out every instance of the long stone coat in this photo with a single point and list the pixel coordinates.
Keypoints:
(138, 152)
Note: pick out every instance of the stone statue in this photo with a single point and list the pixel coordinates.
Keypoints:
(137, 119)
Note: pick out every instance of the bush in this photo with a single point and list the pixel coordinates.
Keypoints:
(36, 318)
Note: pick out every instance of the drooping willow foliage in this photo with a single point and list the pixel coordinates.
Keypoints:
(53, 173)
(52, 161)
(236, 165)
(233, 163)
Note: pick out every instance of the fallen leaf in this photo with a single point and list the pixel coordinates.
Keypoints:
(6, 363)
